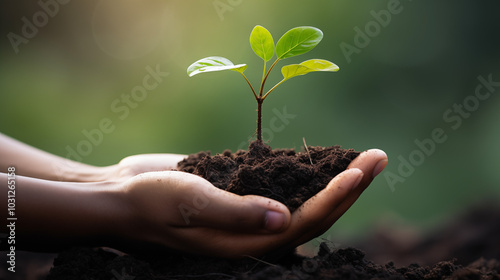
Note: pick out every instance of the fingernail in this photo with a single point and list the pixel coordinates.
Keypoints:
(358, 180)
(379, 167)
(274, 220)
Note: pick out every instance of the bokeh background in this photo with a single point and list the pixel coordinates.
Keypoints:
(68, 65)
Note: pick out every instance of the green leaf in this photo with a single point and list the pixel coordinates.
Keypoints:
(297, 41)
(262, 42)
(214, 63)
(320, 65)
(308, 66)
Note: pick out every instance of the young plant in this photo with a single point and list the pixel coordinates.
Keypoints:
(294, 42)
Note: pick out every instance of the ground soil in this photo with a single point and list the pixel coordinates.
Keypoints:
(467, 247)
(346, 263)
(291, 177)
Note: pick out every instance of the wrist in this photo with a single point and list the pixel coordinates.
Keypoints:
(122, 225)
(60, 214)
(113, 214)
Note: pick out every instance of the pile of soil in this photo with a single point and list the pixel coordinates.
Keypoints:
(284, 175)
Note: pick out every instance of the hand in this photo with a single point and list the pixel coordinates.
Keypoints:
(185, 212)
(323, 210)
(137, 164)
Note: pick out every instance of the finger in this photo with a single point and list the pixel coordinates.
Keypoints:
(371, 162)
(170, 160)
(244, 214)
(154, 162)
(216, 208)
(321, 205)
(307, 219)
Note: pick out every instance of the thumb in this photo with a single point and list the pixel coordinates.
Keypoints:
(248, 213)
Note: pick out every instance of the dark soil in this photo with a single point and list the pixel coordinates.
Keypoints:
(475, 233)
(346, 263)
(282, 174)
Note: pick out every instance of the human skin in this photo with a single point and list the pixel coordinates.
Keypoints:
(138, 203)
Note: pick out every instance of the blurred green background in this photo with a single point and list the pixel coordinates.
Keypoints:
(67, 66)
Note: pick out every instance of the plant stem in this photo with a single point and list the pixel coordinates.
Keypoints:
(269, 91)
(259, 109)
(251, 87)
(265, 78)
(259, 119)
(260, 98)
(264, 72)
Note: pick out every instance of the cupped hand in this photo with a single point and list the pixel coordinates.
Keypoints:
(324, 209)
(185, 212)
(137, 164)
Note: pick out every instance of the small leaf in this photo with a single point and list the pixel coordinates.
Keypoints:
(293, 70)
(320, 65)
(297, 41)
(214, 63)
(262, 42)
(308, 66)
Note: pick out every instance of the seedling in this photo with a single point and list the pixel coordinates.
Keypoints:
(294, 42)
